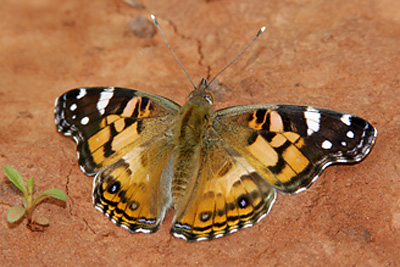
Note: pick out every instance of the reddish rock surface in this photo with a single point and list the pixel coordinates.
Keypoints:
(341, 55)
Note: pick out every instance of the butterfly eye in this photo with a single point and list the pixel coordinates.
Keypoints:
(209, 97)
(191, 94)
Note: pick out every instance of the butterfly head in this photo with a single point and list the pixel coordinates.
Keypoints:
(200, 93)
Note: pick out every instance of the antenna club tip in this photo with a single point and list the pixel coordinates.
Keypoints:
(263, 28)
(153, 18)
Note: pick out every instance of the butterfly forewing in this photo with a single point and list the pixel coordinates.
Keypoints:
(290, 145)
(107, 122)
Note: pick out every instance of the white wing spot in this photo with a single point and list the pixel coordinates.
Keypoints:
(82, 93)
(73, 107)
(346, 119)
(312, 119)
(326, 144)
(105, 97)
(350, 134)
(343, 143)
(84, 120)
(73, 117)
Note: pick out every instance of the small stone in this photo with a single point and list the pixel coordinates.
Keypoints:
(142, 27)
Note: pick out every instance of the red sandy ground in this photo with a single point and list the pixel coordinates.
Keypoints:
(341, 55)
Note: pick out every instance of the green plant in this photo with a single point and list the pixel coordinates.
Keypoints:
(29, 203)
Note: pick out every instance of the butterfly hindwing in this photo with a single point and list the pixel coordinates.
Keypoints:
(229, 194)
(107, 122)
(290, 145)
(134, 191)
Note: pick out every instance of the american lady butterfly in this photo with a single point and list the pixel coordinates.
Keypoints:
(220, 170)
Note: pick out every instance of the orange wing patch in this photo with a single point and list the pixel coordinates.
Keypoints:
(263, 151)
(274, 151)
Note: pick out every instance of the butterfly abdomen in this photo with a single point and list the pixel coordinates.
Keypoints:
(194, 121)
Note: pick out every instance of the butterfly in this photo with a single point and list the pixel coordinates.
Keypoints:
(220, 170)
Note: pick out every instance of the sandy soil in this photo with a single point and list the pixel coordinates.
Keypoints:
(341, 55)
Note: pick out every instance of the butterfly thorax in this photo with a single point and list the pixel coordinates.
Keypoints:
(194, 120)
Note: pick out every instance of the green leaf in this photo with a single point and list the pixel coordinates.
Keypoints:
(43, 221)
(24, 203)
(30, 186)
(15, 213)
(15, 178)
(56, 193)
(52, 192)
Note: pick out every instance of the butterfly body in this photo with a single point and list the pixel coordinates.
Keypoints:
(220, 170)
(191, 130)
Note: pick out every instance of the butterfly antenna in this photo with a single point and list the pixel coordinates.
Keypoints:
(170, 49)
(244, 50)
